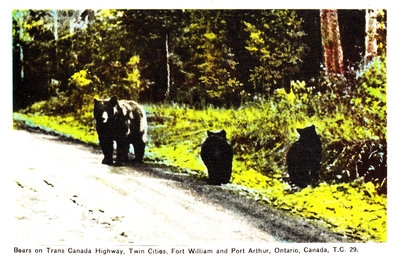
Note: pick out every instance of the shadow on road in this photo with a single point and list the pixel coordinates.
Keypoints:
(281, 225)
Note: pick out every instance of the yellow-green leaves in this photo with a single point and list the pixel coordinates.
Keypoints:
(210, 36)
(356, 210)
(133, 77)
(80, 78)
(274, 41)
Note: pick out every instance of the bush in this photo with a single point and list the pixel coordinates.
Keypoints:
(351, 115)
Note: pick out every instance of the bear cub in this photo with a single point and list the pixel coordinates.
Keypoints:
(217, 155)
(125, 123)
(304, 158)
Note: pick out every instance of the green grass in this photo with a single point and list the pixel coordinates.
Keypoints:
(66, 125)
(175, 137)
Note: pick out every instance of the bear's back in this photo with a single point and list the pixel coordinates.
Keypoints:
(216, 151)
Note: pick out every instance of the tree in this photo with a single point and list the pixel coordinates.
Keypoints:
(352, 37)
(208, 65)
(44, 52)
(32, 51)
(275, 41)
(17, 54)
(152, 34)
(211, 62)
(331, 44)
(375, 31)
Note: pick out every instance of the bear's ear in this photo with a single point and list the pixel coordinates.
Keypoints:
(96, 102)
(300, 131)
(209, 133)
(313, 129)
(223, 133)
(114, 101)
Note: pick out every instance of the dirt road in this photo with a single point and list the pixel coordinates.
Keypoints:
(63, 195)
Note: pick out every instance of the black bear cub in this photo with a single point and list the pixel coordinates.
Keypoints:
(304, 158)
(122, 121)
(217, 155)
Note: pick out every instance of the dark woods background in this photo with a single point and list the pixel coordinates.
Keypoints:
(196, 57)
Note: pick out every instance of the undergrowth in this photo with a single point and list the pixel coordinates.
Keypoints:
(353, 208)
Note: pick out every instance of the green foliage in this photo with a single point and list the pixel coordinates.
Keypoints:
(222, 57)
(79, 79)
(361, 96)
(103, 50)
(260, 140)
(370, 97)
(275, 41)
(65, 125)
(133, 77)
(381, 30)
(56, 59)
(353, 113)
(353, 209)
(80, 91)
(32, 56)
(210, 64)
(230, 57)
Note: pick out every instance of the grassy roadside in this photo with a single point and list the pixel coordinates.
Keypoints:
(176, 133)
(352, 208)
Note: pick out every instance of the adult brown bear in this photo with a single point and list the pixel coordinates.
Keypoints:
(124, 122)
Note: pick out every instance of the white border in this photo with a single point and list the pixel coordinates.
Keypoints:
(386, 250)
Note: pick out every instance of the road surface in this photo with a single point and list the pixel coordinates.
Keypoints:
(62, 194)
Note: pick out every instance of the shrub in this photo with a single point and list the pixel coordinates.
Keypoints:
(350, 113)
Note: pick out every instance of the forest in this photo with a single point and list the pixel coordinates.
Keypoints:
(258, 74)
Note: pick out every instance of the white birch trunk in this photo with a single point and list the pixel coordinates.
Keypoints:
(168, 68)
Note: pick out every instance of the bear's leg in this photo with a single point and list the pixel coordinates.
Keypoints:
(304, 179)
(298, 178)
(226, 175)
(213, 181)
(139, 147)
(107, 148)
(213, 176)
(315, 172)
(122, 153)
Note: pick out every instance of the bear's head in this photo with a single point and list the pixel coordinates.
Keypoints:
(307, 133)
(105, 111)
(220, 135)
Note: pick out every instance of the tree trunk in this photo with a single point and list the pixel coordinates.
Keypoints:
(55, 17)
(375, 31)
(168, 68)
(331, 44)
